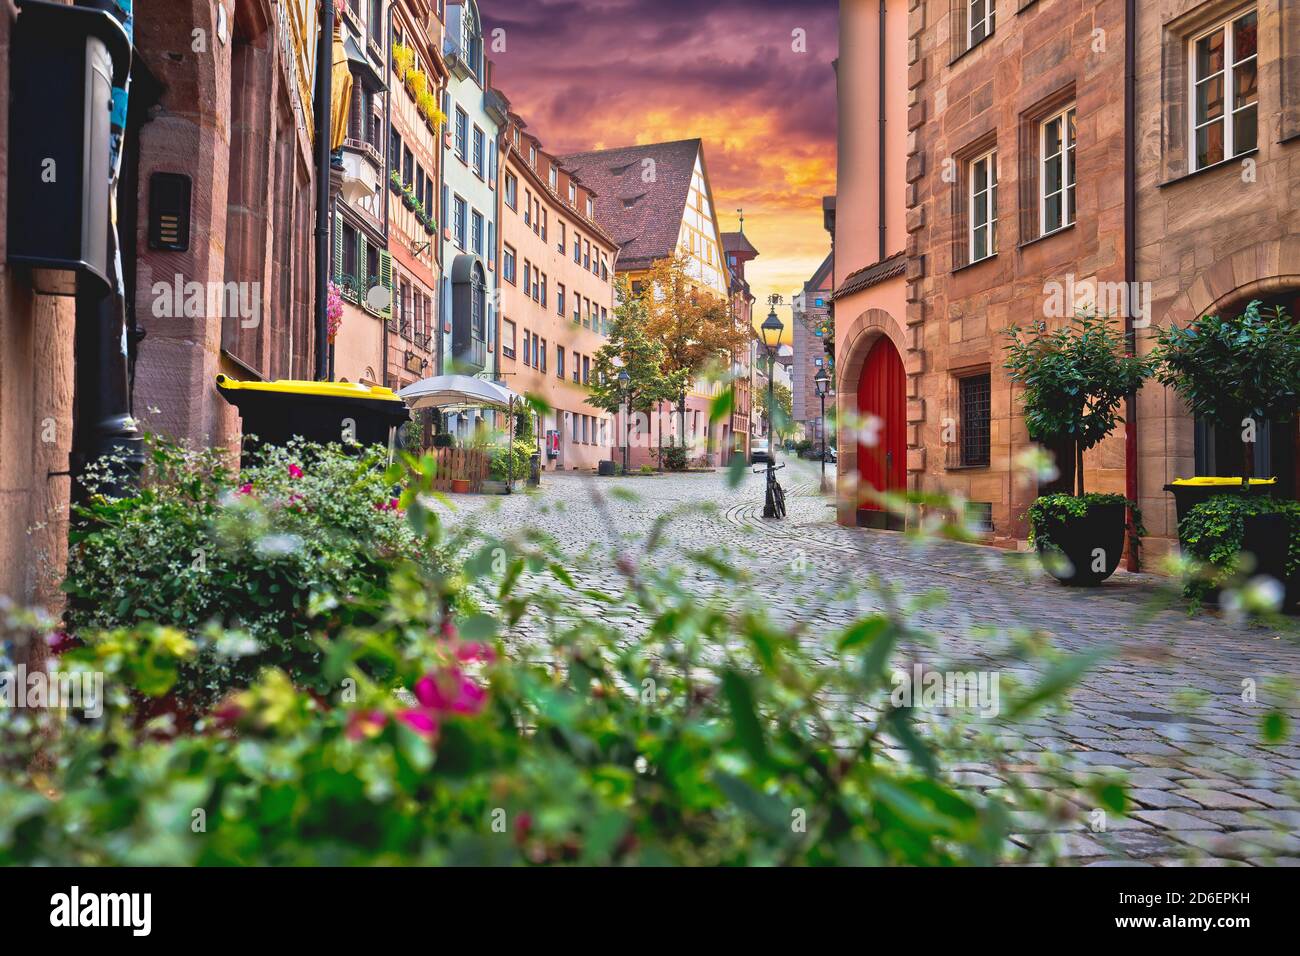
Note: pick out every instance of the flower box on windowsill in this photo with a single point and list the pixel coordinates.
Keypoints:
(409, 202)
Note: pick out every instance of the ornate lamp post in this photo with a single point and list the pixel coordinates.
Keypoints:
(624, 387)
(823, 383)
(771, 330)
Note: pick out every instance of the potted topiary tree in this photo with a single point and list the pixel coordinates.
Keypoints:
(1075, 379)
(1236, 373)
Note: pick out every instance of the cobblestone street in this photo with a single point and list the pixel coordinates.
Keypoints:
(1169, 709)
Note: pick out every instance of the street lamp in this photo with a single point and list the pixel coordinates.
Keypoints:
(771, 330)
(624, 389)
(823, 383)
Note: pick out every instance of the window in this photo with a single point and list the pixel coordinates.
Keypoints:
(577, 369)
(585, 420)
(528, 208)
(528, 348)
(544, 218)
(591, 208)
(984, 206)
(508, 264)
(1225, 92)
(512, 191)
(573, 194)
(563, 243)
(508, 338)
(458, 222)
(528, 278)
(586, 369)
(408, 167)
(476, 231)
(555, 177)
(559, 361)
(577, 248)
(462, 134)
(604, 268)
(532, 156)
(586, 254)
(543, 300)
(394, 145)
(1056, 210)
(478, 152)
(981, 20)
(975, 392)
(537, 280)
(541, 356)
(559, 298)
(577, 307)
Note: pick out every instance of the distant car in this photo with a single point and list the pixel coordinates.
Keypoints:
(760, 450)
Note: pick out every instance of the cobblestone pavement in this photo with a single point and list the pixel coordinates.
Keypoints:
(1169, 710)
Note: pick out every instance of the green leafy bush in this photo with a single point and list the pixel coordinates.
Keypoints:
(716, 737)
(513, 462)
(1213, 533)
(251, 556)
(674, 456)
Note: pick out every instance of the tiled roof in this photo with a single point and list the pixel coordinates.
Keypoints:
(645, 218)
(895, 265)
(737, 242)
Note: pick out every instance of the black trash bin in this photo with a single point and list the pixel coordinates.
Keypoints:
(1190, 492)
(344, 412)
(535, 470)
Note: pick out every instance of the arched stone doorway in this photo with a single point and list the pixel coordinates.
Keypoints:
(882, 410)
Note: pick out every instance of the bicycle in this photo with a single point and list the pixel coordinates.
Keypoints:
(774, 504)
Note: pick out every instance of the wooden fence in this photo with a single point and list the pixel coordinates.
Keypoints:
(454, 463)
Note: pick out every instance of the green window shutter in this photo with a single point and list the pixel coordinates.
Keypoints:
(386, 280)
(338, 249)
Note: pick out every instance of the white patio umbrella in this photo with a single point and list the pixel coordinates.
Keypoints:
(458, 391)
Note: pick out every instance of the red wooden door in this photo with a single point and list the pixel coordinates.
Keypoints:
(882, 392)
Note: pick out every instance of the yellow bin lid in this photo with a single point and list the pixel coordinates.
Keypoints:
(1211, 482)
(314, 389)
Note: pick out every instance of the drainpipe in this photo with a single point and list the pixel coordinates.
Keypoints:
(881, 167)
(323, 113)
(1130, 252)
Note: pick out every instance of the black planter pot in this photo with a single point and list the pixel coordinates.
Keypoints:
(606, 469)
(1079, 539)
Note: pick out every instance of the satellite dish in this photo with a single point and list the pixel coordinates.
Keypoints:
(378, 298)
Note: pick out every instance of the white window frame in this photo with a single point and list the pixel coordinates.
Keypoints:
(987, 21)
(1229, 74)
(991, 158)
(1069, 171)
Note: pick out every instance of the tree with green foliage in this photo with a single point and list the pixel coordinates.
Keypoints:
(1075, 380)
(1235, 372)
(630, 348)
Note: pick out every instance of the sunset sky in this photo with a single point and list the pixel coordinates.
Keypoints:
(591, 74)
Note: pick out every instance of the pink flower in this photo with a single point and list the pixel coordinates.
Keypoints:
(448, 628)
(362, 725)
(297, 501)
(245, 489)
(295, 471)
(462, 697)
(422, 722)
(59, 641)
(475, 652)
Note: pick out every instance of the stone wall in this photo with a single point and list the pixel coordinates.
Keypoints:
(1215, 239)
(1040, 58)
